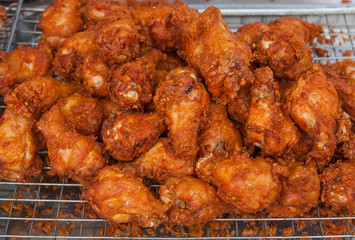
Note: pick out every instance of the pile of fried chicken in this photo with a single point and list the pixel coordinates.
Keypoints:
(225, 122)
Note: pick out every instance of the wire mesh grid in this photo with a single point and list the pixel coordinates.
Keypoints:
(52, 208)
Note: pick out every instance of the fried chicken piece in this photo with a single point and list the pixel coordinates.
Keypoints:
(105, 10)
(23, 63)
(78, 156)
(38, 94)
(94, 71)
(154, 17)
(130, 85)
(82, 113)
(308, 31)
(118, 41)
(119, 197)
(249, 184)
(238, 108)
(338, 186)
(160, 163)
(3, 15)
(131, 134)
(300, 191)
(109, 108)
(183, 101)
(219, 135)
(342, 75)
(211, 47)
(18, 159)
(268, 127)
(191, 201)
(69, 59)
(60, 20)
(250, 33)
(313, 105)
(348, 147)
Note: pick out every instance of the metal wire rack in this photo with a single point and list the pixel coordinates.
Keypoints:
(51, 207)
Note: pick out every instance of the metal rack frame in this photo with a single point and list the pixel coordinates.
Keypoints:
(63, 196)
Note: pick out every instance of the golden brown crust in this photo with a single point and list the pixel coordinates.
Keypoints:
(119, 197)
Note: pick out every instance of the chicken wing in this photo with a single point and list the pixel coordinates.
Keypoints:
(23, 63)
(300, 191)
(78, 156)
(130, 85)
(82, 113)
(119, 197)
(160, 163)
(342, 75)
(268, 127)
(60, 20)
(338, 186)
(38, 94)
(211, 47)
(191, 201)
(313, 105)
(18, 160)
(131, 134)
(219, 135)
(183, 101)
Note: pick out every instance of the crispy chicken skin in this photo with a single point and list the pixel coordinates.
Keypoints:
(69, 152)
(82, 113)
(238, 108)
(130, 85)
(60, 20)
(23, 63)
(300, 190)
(250, 33)
(211, 47)
(70, 57)
(191, 201)
(105, 10)
(118, 41)
(348, 147)
(313, 105)
(93, 72)
(109, 108)
(338, 186)
(219, 135)
(268, 127)
(160, 163)
(119, 197)
(342, 75)
(18, 159)
(38, 94)
(250, 184)
(183, 101)
(308, 31)
(131, 134)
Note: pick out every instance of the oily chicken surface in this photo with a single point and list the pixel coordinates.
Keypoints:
(119, 197)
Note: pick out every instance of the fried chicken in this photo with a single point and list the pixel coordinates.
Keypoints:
(191, 201)
(109, 108)
(18, 160)
(183, 101)
(342, 75)
(160, 163)
(78, 156)
(338, 186)
(249, 184)
(300, 191)
(250, 33)
(38, 94)
(130, 85)
(131, 134)
(23, 63)
(82, 113)
(219, 135)
(313, 104)
(3, 15)
(238, 108)
(60, 20)
(211, 47)
(268, 127)
(119, 197)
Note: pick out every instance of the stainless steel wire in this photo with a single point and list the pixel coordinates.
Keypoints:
(56, 202)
